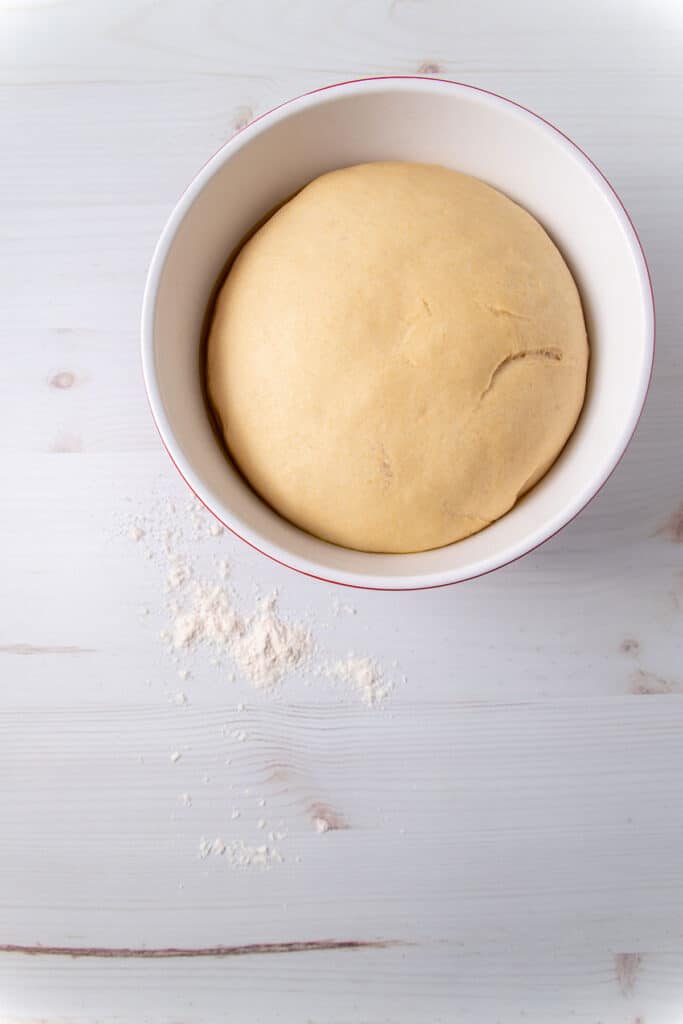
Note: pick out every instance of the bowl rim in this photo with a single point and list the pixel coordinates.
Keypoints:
(164, 428)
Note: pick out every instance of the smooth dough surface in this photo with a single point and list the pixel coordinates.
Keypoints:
(396, 356)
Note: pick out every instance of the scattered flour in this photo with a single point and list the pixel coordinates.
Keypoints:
(343, 609)
(178, 574)
(239, 854)
(364, 674)
(242, 855)
(208, 617)
(264, 646)
(270, 647)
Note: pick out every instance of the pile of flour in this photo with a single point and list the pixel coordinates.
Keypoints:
(263, 646)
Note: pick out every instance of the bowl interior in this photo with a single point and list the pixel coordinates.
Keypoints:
(431, 122)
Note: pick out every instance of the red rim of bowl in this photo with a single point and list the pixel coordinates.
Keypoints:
(534, 547)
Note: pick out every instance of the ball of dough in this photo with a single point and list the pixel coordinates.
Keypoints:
(396, 356)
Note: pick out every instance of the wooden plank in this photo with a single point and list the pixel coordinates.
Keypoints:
(437, 983)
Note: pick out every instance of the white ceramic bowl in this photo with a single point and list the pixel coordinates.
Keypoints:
(432, 122)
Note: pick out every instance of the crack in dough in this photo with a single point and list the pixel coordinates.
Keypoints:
(501, 311)
(553, 355)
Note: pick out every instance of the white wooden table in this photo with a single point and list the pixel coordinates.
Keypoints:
(514, 839)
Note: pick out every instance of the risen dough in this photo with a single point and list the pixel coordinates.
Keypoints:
(396, 356)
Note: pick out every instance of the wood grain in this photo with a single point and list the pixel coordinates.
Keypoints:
(216, 952)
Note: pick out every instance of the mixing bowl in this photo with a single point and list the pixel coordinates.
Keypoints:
(429, 121)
